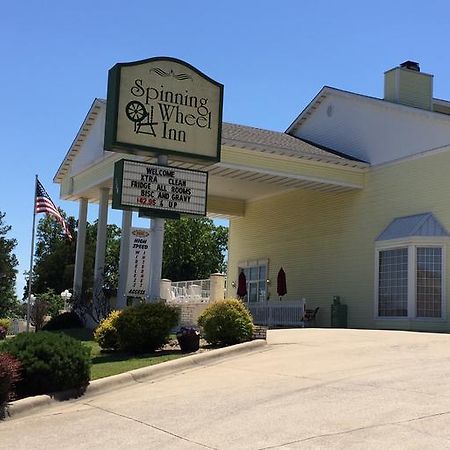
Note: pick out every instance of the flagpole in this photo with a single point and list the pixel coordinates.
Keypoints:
(30, 273)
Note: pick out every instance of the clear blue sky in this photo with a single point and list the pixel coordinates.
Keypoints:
(272, 57)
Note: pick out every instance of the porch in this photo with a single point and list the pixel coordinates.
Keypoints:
(193, 297)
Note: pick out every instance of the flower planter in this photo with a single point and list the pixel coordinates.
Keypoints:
(188, 339)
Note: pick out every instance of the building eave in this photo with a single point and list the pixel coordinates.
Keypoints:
(88, 121)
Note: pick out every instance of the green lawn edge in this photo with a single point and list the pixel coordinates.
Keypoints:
(106, 364)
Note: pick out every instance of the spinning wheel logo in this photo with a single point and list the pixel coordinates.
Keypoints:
(143, 121)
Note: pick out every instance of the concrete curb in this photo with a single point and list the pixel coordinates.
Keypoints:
(25, 406)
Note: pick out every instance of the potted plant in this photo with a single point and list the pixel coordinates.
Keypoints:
(188, 339)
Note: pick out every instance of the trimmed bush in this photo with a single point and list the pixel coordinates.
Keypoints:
(106, 333)
(63, 321)
(145, 328)
(9, 375)
(51, 362)
(5, 323)
(226, 322)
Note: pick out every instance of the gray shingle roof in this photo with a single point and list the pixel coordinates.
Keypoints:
(279, 143)
(418, 225)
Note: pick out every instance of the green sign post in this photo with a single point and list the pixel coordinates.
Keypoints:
(161, 108)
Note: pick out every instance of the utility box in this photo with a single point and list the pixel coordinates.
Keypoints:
(338, 313)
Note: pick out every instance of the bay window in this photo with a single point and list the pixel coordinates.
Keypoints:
(410, 280)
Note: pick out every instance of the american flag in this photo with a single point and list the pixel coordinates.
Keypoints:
(44, 204)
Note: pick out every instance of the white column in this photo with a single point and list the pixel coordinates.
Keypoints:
(81, 244)
(165, 288)
(124, 258)
(156, 249)
(216, 287)
(100, 248)
(156, 254)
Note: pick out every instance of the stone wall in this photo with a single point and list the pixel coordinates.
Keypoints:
(190, 313)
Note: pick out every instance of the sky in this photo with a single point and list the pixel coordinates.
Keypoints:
(272, 57)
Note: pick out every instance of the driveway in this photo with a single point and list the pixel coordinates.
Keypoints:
(308, 388)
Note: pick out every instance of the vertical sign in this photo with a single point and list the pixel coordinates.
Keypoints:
(139, 263)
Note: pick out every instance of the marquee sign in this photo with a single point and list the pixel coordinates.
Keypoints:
(139, 263)
(163, 105)
(162, 190)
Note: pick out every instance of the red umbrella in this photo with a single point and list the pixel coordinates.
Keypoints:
(281, 283)
(242, 285)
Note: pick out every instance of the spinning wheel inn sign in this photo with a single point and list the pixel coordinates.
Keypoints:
(163, 106)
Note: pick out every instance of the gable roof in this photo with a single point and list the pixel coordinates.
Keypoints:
(81, 136)
(328, 90)
(233, 135)
(418, 225)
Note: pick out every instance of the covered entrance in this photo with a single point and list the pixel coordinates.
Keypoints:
(256, 165)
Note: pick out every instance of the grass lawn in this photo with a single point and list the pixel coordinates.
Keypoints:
(105, 364)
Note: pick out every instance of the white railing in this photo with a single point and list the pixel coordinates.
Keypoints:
(274, 314)
(18, 326)
(194, 295)
(190, 291)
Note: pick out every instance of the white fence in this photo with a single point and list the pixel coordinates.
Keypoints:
(18, 326)
(190, 291)
(193, 296)
(278, 314)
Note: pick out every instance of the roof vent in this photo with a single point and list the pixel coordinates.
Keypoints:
(411, 65)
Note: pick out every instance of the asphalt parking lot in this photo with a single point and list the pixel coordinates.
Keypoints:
(308, 388)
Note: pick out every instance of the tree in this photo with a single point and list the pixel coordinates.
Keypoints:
(111, 269)
(193, 249)
(54, 302)
(55, 256)
(9, 304)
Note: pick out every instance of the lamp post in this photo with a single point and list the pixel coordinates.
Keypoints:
(66, 295)
(30, 302)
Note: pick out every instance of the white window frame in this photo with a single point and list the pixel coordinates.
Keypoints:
(246, 264)
(412, 244)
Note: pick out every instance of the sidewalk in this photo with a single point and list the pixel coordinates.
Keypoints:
(308, 388)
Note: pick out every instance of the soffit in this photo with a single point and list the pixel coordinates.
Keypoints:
(255, 163)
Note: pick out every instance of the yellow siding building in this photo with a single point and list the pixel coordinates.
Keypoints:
(353, 200)
(327, 241)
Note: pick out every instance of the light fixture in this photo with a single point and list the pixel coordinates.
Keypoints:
(66, 295)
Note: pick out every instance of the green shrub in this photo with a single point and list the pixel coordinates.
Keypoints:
(63, 321)
(53, 301)
(9, 375)
(51, 362)
(226, 322)
(5, 323)
(106, 333)
(146, 327)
